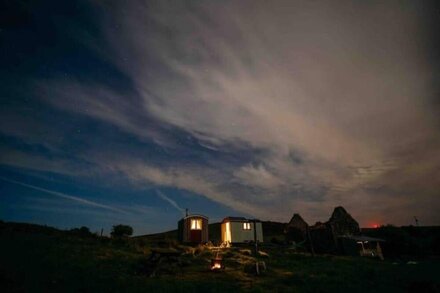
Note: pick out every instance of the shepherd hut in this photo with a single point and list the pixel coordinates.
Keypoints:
(241, 230)
(193, 229)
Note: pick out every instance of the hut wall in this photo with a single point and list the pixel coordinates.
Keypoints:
(240, 235)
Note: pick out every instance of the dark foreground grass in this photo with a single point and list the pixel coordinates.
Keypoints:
(296, 272)
(35, 262)
(56, 261)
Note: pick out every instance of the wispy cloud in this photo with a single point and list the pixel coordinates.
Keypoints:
(170, 201)
(65, 196)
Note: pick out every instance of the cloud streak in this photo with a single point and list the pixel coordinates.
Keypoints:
(170, 201)
(66, 196)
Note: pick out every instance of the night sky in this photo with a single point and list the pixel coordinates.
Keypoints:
(131, 111)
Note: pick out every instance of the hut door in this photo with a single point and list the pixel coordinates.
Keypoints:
(196, 230)
(196, 236)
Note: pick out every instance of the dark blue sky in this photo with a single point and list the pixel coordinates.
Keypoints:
(130, 112)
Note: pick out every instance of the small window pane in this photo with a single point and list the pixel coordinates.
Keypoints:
(246, 226)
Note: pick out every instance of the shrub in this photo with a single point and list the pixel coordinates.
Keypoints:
(120, 231)
(83, 231)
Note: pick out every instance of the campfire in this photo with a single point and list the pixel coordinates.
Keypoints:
(217, 264)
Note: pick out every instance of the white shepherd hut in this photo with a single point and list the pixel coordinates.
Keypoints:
(241, 230)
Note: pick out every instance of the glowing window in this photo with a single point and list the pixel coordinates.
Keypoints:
(246, 226)
(196, 224)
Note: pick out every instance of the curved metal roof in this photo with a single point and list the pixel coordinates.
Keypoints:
(196, 216)
(239, 219)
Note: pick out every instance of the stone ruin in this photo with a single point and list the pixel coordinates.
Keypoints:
(296, 229)
(323, 236)
(342, 223)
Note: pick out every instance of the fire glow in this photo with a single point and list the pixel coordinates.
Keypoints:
(216, 264)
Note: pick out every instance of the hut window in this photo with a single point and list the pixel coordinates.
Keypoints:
(246, 226)
(196, 224)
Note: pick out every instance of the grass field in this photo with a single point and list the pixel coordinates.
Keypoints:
(41, 259)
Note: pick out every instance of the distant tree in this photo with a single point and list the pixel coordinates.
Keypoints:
(119, 231)
(83, 231)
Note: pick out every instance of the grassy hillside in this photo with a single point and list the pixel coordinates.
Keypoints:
(42, 259)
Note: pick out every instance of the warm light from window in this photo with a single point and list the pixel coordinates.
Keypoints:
(246, 226)
(228, 236)
(196, 224)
